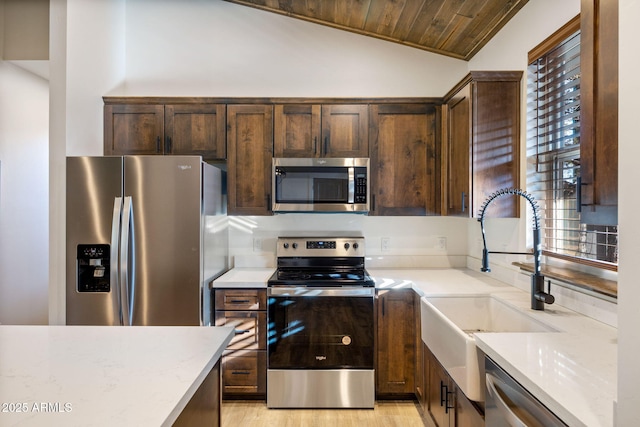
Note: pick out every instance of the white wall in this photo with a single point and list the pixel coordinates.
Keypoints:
(629, 206)
(24, 124)
(216, 48)
(87, 48)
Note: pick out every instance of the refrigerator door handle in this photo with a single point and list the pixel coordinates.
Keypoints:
(127, 265)
(115, 245)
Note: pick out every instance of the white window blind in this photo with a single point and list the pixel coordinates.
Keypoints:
(553, 155)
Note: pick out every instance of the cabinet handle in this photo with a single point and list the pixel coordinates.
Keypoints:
(373, 202)
(446, 401)
(315, 145)
(579, 194)
(168, 145)
(463, 205)
(326, 144)
(239, 301)
(442, 395)
(240, 373)
(241, 331)
(158, 147)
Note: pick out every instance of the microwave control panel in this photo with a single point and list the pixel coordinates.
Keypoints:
(360, 194)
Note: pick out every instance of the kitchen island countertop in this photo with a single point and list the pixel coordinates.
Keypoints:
(103, 375)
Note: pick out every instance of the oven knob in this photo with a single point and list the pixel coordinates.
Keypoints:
(346, 246)
(286, 246)
(355, 246)
(295, 245)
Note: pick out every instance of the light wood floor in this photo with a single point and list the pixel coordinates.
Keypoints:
(385, 414)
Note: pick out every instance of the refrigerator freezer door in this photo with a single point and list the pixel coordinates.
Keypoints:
(166, 195)
(92, 186)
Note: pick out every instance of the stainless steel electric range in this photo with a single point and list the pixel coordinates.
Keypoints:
(320, 336)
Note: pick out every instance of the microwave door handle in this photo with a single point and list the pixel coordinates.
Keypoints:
(352, 185)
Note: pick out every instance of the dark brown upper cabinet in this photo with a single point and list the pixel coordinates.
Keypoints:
(405, 165)
(132, 128)
(315, 130)
(481, 143)
(250, 150)
(598, 192)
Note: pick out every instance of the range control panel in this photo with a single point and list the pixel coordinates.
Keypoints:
(319, 247)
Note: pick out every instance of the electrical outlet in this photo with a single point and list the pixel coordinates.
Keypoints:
(385, 243)
(257, 244)
(442, 243)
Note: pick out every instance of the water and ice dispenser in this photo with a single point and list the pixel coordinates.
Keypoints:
(93, 268)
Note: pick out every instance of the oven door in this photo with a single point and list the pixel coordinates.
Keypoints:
(320, 328)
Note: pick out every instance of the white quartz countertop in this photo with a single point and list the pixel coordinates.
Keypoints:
(244, 278)
(573, 371)
(103, 375)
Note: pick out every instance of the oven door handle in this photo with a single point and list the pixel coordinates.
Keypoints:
(301, 291)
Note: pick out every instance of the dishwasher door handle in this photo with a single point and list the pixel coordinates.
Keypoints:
(492, 388)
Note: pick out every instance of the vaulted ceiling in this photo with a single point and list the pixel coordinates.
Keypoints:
(455, 28)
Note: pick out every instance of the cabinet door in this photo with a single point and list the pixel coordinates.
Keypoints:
(404, 159)
(244, 372)
(467, 412)
(196, 129)
(458, 157)
(421, 368)
(250, 328)
(133, 129)
(240, 299)
(296, 130)
(496, 136)
(482, 143)
(395, 363)
(250, 150)
(599, 112)
(440, 395)
(345, 130)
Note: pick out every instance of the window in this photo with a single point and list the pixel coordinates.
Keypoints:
(553, 151)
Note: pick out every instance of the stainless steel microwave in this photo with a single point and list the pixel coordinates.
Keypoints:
(338, 185)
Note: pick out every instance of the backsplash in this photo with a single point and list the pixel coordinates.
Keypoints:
(407, 242)
(398, 242)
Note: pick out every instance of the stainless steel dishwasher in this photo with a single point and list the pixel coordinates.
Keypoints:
(508, 404)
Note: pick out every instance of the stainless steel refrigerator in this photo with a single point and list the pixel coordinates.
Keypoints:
(145, 237)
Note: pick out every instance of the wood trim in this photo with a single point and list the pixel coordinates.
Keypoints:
(212, 100)
(577, 278)
(554, 39)
(478, 76)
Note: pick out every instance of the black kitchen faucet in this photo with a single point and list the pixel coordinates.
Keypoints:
(538, 296)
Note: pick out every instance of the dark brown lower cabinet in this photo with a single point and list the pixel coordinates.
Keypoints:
(444, 404)
(395, 355)
(244, 362)
(244, 374)
(204, 406)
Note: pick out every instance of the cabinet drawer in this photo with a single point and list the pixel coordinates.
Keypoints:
(244, 372)
(240, 299)
(250, 327)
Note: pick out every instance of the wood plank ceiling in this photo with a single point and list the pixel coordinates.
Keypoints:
(455, 28)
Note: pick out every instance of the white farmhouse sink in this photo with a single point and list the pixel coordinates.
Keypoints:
(448, 325)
